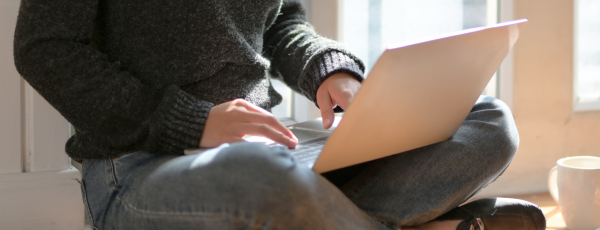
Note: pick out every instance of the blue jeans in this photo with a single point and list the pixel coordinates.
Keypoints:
(252, 186)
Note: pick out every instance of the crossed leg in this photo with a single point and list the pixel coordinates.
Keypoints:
(414, 187)
(251, 186)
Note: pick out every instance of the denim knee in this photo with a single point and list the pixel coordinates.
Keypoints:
(265, 176)
(244, 155)
(244, 184)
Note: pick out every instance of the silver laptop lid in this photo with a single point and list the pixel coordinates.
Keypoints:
(418, 94)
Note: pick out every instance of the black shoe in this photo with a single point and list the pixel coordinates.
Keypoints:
(497, 214)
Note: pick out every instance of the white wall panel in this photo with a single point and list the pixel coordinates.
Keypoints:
(46, 131)
(43, 200)
(10, 92)
(324, 17)
(46, 134)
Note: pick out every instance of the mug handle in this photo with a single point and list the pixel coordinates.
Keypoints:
(552, 184)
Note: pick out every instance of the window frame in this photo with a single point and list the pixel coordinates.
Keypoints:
(327, 18)
(579, 106)
(505, 72)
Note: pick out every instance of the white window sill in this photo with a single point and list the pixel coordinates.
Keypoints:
(587, 106)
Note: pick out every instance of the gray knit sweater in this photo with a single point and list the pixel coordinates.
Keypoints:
(143, 74)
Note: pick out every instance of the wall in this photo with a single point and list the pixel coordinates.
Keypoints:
(543, 93)
(37, 185)
(10, 93)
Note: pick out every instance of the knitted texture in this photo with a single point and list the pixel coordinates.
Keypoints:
(325, 65)
(144, 74)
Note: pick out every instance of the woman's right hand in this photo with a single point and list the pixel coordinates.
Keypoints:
(231, 121)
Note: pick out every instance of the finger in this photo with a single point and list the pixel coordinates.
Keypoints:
(326, 105)
(250, 107)
(266, 131)
(343, 99)
(273, 122)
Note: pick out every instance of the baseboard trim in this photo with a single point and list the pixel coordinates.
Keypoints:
(41, 200)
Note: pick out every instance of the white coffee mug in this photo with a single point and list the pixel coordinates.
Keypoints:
(575, 185)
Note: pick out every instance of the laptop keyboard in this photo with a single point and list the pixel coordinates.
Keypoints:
(307, 152)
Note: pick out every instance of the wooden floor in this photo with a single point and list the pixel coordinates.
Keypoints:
(554, 220)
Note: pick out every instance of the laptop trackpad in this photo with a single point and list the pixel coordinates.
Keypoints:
(304, 134)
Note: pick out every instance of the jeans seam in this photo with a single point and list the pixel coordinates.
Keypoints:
(133, 208)
(237, 215)
(113, 172)
(87, 204)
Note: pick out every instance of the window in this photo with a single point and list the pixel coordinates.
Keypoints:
(587, 55)
(283, 110)
(368, 26)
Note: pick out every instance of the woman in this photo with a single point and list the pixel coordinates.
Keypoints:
(143, 80)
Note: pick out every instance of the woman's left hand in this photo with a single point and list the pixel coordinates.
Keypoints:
(337, 89)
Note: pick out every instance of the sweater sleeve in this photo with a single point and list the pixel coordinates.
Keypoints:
(300, 57)
(54, 52)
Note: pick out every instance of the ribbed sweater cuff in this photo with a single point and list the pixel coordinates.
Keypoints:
(182, 119)
(325, 65)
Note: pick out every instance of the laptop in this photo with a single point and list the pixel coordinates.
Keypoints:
(417, 94)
